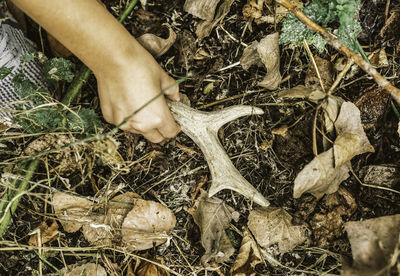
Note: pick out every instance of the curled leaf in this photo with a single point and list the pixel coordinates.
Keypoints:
(204, 28)
(249, 256)
(265, 52)
(373, 242)
(203, 9)
(45, 233)
(327, 170)
(157, 46)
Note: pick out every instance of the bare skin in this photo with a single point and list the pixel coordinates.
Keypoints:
(127, 75)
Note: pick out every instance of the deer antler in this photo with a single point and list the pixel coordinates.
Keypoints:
(202, 128)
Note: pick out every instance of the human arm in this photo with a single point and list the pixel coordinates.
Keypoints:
(127, 75)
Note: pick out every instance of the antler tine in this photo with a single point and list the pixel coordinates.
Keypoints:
(202, 128)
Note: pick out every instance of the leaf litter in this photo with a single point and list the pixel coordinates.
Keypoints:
(325, 217)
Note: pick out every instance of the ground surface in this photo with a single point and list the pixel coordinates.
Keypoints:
(170, 173)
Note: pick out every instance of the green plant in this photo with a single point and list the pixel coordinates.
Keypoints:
(324, 12)
(40, 113)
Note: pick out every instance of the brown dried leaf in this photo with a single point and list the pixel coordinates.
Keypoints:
(326, 71)
(213, 217)
(302, 92)
(273, 225)
(203, 9)
(249, 256)
(265, 52)
(150, 269)
(250, 56)
(373, 105)
(146, 224)
(373, 242)
(97, 232)
(204, 28)
(348, 126)
(72, 211)
(157, 46)
(327, 170)
(119, 207)
(268, 49)
(88, 269)
(47, 233)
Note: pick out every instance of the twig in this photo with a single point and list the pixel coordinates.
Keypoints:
(335, 43)
(341, 75)
(314, 64)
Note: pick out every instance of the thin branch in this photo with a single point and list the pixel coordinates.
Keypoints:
(335, 43)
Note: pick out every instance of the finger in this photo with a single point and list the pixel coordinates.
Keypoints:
(153, 136)
(170, 88)
(170, 129)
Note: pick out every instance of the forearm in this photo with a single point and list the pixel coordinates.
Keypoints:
(87, 29)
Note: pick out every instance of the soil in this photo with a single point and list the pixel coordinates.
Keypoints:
(169, 173)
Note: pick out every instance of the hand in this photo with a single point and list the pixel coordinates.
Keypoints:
(128, 88)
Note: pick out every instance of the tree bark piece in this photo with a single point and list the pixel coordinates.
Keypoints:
(335, 43)
(202, 128)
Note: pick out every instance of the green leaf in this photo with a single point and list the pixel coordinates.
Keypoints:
(5, 71)
(324, 12)
(57, 69)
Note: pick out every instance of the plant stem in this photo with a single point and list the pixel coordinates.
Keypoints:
(6, 218)
(335, 43)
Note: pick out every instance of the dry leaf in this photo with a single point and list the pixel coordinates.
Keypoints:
(326, 72)
(203, 9)
(148, 223)
(97, 232)
(250, 56)
(150, 269)
(273, 225)
(302, 92)
(89, 269)
(157, 46)
(327, 170)
(331, 107)
(46, 233)
(264, 52)
(373, 242)
(119, 207)
(373, 105)
(378, 58)
(213, 217)
(249, 256)
(72, 211)
(268, 49)
(348, 125)
(204, 28)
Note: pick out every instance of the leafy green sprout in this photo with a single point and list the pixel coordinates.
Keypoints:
(39, 112)
(324, 12)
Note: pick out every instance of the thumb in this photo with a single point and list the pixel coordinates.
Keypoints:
(170, 88)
